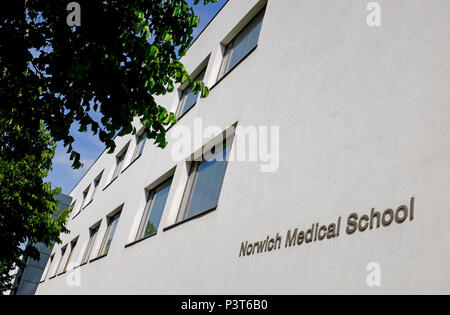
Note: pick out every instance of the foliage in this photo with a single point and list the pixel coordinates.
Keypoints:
(122, 56)
(27, 204)
(99, 76)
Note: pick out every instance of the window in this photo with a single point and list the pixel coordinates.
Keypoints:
(154, 209)
(72, 247)
(119, 162)
(241, 45)
(96, 184)
(73, 208)
(188, 98)
(49, 266)
(140, 143)
(93, 232)
(112, 225)
(85, 194)
(204, 185)
(63, 252)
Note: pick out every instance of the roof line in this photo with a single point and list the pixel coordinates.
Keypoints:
(199, 34)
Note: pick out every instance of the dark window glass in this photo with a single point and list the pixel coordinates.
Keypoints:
(112, 225)
(90, 246)
(63, 252)
(96, 184)
(50, 263)
(85, 193)
(242, 44)
(72, 247)
(154, 209)
(205, 184)
(140, 143)
(189, 98)
(118, 166)
(120, 159)
(75, 212)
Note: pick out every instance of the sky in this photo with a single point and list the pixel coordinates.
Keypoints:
(89, 146)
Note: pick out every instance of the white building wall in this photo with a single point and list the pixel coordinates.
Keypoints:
(364, 118)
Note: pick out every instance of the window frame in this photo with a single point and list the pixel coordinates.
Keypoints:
(186, 92)
(140, 137)
(111, 220)
(229, 48)
(85, 201)
(72, 244)
(191, 185)
(93, 234)
(73, 213)
(223, 70)
(120, 160)
(63, 253)
(95, 186)
(149, 208)
(183, 98)
(50, 263)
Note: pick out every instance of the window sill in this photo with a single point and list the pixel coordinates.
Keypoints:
(88, 204)
(190, 108)
(98, 258)
(132, 162)
(189, 219)
(61, 273)
(52, 277)
(140, 240)
(76, 215)
(109, 184)
(181, 116)
(231, 70)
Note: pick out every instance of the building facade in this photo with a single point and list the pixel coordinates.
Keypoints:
(337, 137)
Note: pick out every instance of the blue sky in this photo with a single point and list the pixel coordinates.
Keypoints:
(87, 144)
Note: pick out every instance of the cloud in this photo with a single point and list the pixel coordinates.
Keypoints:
(62, 159)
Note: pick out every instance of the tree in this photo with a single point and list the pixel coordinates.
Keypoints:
(100, 75)
(114, 64)
(27, 204)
